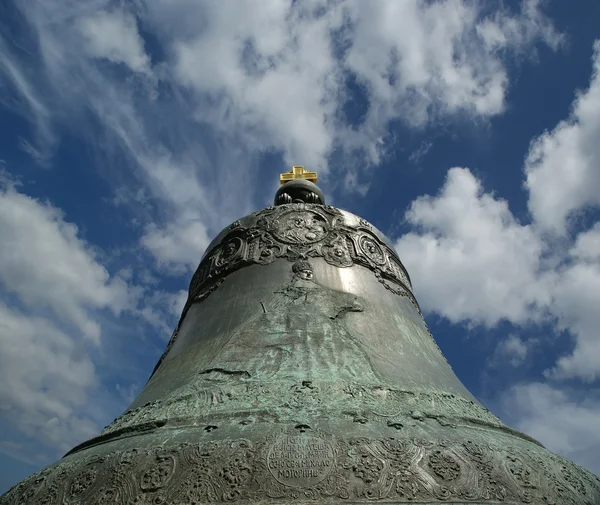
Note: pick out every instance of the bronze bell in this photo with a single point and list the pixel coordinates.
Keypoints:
(302, 371)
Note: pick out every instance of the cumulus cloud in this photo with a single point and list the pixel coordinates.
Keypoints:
(414, 62)
(437, 57)
(55, 298)
(470, 258)
(561, 168)
(45, 379)
(576, 303)
(56, 301)
(587, 245)
(472, 261)
(281, 94)
(46, 264)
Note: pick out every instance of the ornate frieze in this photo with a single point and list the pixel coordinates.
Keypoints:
(300, 464)
(294, 232)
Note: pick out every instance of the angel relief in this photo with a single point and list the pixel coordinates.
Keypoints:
(299, 334)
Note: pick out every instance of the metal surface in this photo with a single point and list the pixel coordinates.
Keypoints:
(302, 371)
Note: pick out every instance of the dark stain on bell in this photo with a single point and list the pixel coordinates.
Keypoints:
(218, 372)
(309, 376)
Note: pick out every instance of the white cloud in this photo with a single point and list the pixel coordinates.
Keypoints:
(512, 351)
(52, 386)
(562, 164)
(45, 378)
(429, 63)
(162, 310)
(114, 36)
(470, 258)
(285, 84)
(503, 30)
(564, 421)
(587, 245)
(417, 155)
(177, 302)
(46, 264)
(576, 303)
(423, 60)
(282, 93)
(179, 246)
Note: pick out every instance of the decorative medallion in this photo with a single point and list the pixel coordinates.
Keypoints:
(372, 249)
(301, 227)
(229, 251)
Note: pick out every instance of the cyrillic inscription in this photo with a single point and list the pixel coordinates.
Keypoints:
(301, 460)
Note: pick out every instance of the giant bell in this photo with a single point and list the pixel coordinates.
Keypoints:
(302, 371)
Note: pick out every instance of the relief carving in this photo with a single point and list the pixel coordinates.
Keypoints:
(203, 399)
(82, 482)
(444, 465)
(308, 464)
(300, 231)
(297, 232)
(157, 475)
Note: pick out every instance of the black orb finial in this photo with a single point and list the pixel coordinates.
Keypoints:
(299, 191)
(298, 186)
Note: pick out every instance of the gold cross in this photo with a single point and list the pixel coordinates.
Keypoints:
(298, 172)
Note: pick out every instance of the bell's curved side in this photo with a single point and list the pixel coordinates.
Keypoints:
(302, 371)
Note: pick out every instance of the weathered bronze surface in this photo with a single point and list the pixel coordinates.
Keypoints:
(302, 371)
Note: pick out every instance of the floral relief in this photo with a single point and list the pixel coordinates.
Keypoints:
(386, 470)
(444, 465)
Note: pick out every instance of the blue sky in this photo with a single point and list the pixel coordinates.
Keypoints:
(132, 132)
